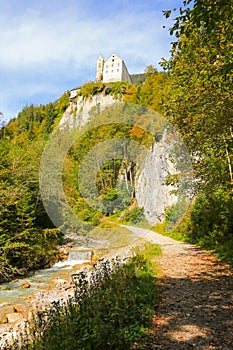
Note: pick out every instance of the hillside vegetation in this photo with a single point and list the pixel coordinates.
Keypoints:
(194, 93)
(28, 238)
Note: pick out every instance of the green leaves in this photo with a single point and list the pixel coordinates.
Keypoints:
(23, 221)
(200, 104)
(200, 101)
(211, 224)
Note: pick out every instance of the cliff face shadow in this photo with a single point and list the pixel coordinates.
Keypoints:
(195, 311)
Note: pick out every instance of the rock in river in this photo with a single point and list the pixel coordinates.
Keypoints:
(25, 285)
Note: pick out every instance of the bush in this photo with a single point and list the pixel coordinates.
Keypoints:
(134, 216)
(91, 89)
(90, 216)
(211, 222)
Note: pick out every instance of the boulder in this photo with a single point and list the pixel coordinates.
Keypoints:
(60, 281)
(63, 253)
(3, 318)
(14, 317)
(21, 308)
(5, 309)
(25, 285)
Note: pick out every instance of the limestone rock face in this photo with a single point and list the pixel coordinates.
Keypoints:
(82, 111)
(151, 192)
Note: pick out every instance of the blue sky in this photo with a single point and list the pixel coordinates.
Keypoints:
(51, 46)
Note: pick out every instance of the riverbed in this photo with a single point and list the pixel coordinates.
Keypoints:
(39, 284)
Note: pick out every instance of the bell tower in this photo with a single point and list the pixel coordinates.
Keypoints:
(100, 68)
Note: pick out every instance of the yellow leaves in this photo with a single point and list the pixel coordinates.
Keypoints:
(130, 94)
(141, 135)
(151, 70)
(137, 133)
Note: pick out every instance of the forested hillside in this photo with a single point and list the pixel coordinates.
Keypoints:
(194, 92)
(28, 239)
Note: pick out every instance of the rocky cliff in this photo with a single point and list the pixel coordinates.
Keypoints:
(82, 110)
(151, 192)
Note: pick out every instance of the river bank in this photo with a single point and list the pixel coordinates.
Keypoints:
(22, 297)
(32, 294)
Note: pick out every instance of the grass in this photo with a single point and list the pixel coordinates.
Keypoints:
(222, 250)
(112, 236)
(175, 234)
(120, 218)
(111, 309)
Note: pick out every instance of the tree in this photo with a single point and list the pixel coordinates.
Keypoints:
(150, 92)
(199, 103)
(28, 239)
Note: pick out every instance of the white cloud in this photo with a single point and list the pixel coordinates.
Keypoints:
(47, 52)
(36, 40)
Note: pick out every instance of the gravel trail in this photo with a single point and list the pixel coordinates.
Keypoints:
(196, 298)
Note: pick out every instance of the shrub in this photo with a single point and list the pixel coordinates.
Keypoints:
(134, 216)
(90, 216)
(211, 222)
(111, 309)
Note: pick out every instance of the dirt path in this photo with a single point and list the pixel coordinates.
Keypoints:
(196, 306)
